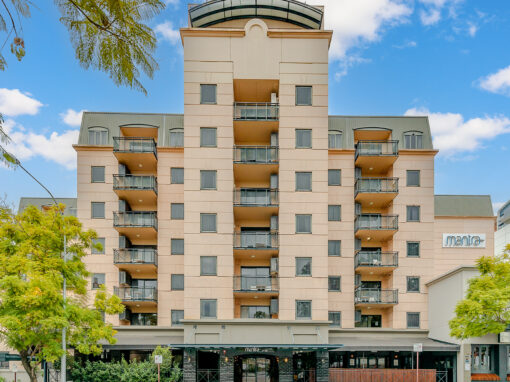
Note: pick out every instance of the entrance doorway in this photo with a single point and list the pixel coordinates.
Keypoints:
(256, 369)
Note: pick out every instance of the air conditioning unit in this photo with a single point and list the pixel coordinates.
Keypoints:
(274, 265)
(124, 278)
(274, 98)
(273, 308)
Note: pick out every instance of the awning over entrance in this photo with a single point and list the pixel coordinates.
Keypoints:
(391, 344)
(254, 348)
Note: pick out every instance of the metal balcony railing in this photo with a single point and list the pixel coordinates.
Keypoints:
(134, 145)
(256, 111)
(135, 182)
(256, 240)
(376, 222)
(376, 185)
(208, 375)
(255, 197)
(135, 256)
(256, 284)
(256, 154)
(375, 296)
(376, 148)
(135, 219)
(376, 259)
(136, 294)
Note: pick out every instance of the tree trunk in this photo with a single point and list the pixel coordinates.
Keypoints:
(27, 365)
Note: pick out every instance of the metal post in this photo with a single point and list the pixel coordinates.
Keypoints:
(159, 376)
(417, 365)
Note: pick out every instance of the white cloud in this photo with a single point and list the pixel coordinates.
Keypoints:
(406, 44)
(167, 31)
(498, 82)
(432, 10)
(13, 102)
(453, 135)
(71, 117)
(472, 29)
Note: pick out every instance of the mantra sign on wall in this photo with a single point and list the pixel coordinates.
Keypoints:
(463, 240)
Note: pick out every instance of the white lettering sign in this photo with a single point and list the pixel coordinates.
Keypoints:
(464, 240)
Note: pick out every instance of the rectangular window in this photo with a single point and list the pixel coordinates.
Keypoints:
(334, 213)
(177, 282)
(177, 211)
(413, 320)
(177, 137)
(334, 284)
(208, 308)
(303, 181)
(335, 318)
(303, 266)
(97, 174)
(177, 175)
(177, 317)
(413, 284)
(413, 249)
(303, 310)
(98, 279)
(97, 210)
(413, 140)
(334, 139)
(208, 137)
(207, 222)
(99, 240)
(334, 248)
(334, 177)
(255, 312)
(208, 265)
(207, 179)
(177, 246)
(413, 178)
(303, 223)
(413, 213)
(303, 138)
(303, 96)
(207, 94)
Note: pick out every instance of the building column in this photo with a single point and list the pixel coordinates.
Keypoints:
(285, 369)
(322, 366)
(502, 356)
(227, 366)
(189, 365)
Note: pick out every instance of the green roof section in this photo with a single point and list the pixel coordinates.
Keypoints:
(463, 205)
(70, 210)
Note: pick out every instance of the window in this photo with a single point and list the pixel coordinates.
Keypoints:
(177, 211)
(97, 210)
(303, 266)
(303, 181)
(177, 282)
(177, 137)
(369, 321)
(303, 138)
(303, 96)
(413, 140)
(334, 139)
(99, 240)
(144, 319)
(207, 222)
(255, 312)
(413, 320)
(208, 308)
(334, 284)
(413, 249)
(177, 175)
(334, 213)
(97, 174)
(208, 137)
(207, 179)
(177, 317)
(207, 94)
(177, 246)
(303, 309)
(98, 279)
(303, 223)
(334, 177)
(413, 178)
(413, 213)
(208, 265)
(98, 136)
(335, 318)
(413, 284)
(334, 248)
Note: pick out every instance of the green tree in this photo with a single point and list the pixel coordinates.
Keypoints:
(486, 308)
(32, 312)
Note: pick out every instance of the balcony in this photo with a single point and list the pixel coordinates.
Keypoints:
(250, 286)
(381, 298)
(375, 262)
(134, 297)
(376, 192)
(140, 227)
(255, 203)
(376, 157)
(138, 154)
(256, 243)
(255, 163)
(375, 227)
(256, 111)
(138, 261)
(140, 191)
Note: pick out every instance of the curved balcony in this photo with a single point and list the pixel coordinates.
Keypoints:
(139, 261)
(137, 153)
(375, 262)
(135, 297)
(376, 192)
(368, 297)
(252, 285)
(375, 227)
(140, 191)
(140, 227)
(376, 157)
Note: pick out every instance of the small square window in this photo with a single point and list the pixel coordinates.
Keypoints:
(177, 317)
(177, 211)
(97, 174)
(177, 282)
(334, 248)
(303, 310)
(303, 223)
(413, 320)
(208, 308)
(335, 318)
(208, 265)
(207, 94)
(98, 279)
(207, 222)
(413, 284)
(303, 96)
(303, 181)
(334, 283)
(413, 213)
(334, 213)
(334, 177)
(208, 137)
(413, 249)
(303, 138)
(413, 178)
(101, 241)
(303, 266)
(208, 180)
(98, 210)
(177, 246)
(177, 175)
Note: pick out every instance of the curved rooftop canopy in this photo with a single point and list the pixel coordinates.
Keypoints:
(290, 11)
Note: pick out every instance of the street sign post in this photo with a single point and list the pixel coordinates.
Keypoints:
(418, 348)
(158, 360)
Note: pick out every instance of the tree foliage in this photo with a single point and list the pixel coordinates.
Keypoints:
(32, 312)
(486, 308)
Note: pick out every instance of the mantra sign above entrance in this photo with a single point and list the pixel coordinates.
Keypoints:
(463, 240)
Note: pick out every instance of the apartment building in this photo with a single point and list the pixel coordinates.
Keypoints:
(502, 236)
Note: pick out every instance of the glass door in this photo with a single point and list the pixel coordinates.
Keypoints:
(256, 370)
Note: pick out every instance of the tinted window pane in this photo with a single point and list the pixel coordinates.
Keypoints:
(98, 210)
(207, 222)
(334, 283)
(303, 138)
(177, 174)
(413, 249)
(207, 94)
(334, 247)
(334, 177)
(413, 320)
(177, 246)
(99, 240)
(335, 318)
(303, 95)
(207, 180)
(303, 309)
(303, 266)
(413, 178)
(177, 317)
(413, 284)
(303, 181)
(303, 223)
(207, 308)
(177, 211)
(98, 279)
(413, 213)
(208, 265)
(177, 282)
(334, 213)
(97, 174)
(207, 137)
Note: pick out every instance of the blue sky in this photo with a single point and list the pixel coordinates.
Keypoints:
(445, 58)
